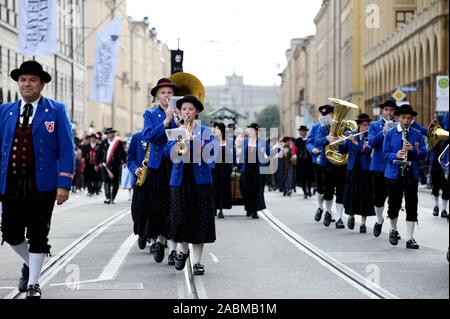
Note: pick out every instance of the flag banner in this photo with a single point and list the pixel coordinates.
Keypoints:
(105, 63)
(37, 27)
(177, 61)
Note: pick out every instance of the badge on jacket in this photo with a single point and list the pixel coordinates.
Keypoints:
(50, 126)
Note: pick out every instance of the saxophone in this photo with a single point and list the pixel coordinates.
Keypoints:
(141, 179)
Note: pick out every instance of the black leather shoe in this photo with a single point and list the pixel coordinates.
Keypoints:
(318, 215)
(340, 224)
(23, 281)
(436, 211)
(33, 292)
(180, 260)
(255, 215)
(142, 242)
(444, 214)
(351, 222)
(199, 269)
(377, 229)
(220, 215)
(412, 244)
(107, 202)
(248, 214)
(171, 258)
(327, 219)
(363, 229)
(393, 237)
(159, 252)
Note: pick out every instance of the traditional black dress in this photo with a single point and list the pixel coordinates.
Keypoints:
(158, 184)
(358, 191)
(253, 183)
(222, 183)
(192, 210)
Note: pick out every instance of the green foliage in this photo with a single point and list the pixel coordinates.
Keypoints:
(269, 117)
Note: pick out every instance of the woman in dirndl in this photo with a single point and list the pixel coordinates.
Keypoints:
(358, 191)
(192, 200)
(156, 121)
(222, 171)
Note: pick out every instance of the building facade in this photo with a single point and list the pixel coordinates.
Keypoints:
(408, 49)
(247, 100)
(142, 60)
(59, 65)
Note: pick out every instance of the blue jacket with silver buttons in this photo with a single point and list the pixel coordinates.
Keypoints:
(54, 154)
(136, 154)
(155, 133)
(204, 151)
(310, 144)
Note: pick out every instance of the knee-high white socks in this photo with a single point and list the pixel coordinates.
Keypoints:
(320, 200)
(197, 252)
(394, 224)
(379, 212)
(329, 205)
(23, 251)
(363, 220)
(339, 211)
(444, 204)
(410, 229)
(436, 201)
(161, 239)
(171, 245)
(183, 247)
(36, 263)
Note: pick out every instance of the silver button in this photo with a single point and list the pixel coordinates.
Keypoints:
(14, 164)
(24, 157)
(14, 172)
(25, 140)
(24, 165)
(14, 148)
(14, 156)
(24, 149)
(16, 140)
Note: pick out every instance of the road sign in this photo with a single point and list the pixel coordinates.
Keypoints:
(409, 89)
(399, 95)
(442, 93)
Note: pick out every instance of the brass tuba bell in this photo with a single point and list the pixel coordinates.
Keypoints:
(436, 134)
(338, 128)
(188, 84)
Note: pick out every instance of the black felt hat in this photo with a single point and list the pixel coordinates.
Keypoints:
(405, 109)
(191, 99)
(363, 117)
(31, 67)
(303, 128)
(164, 82)
(323, 109)
(389, 103)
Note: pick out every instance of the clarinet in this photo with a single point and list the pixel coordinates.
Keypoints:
(405, 166)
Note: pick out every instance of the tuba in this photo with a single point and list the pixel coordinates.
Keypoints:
(338, 127)
(188, 84)
(436, 134)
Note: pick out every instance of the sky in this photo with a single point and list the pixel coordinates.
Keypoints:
(220, 37)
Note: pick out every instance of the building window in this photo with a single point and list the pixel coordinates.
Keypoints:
(402, 16)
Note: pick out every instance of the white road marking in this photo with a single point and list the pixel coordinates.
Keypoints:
(214, 258)
(111, 270)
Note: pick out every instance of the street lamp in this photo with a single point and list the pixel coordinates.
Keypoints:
(376, 108)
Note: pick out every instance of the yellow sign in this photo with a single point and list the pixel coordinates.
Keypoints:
(399, 95)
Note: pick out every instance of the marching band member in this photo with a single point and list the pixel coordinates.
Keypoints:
(192, 204)
(37, 159)
(358, 194)
(253, 181)
(139, 202)
(156, 121)
(91, 170)
(438, 180)
(403, 147)
(222, 170)
(110, 158)
(377, 133)
(305, 172)
(334, 177)
(317, 155)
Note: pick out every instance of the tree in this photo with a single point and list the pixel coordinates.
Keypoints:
(269, 117)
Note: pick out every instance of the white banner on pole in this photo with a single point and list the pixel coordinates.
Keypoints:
(442, 93)
(37, 27)
(105, 63)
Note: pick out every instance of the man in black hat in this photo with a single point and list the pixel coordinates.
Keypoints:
(305, 171)
(37, 166)
(91, 170)
(403, 147)
(377, 132)
(110, 158)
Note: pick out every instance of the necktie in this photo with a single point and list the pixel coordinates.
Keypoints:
(27, 113)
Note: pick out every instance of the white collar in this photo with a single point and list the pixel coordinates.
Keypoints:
(35, 104)
(400, 129)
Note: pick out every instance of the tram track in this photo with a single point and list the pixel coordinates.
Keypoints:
(369, 288)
